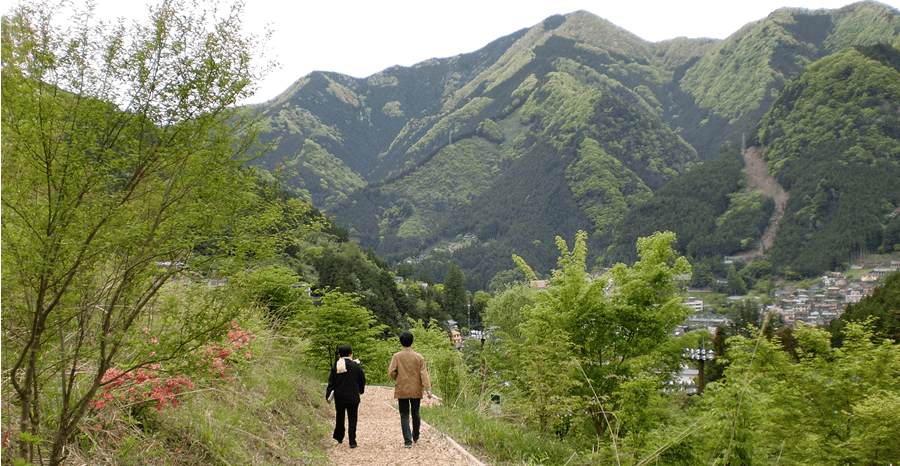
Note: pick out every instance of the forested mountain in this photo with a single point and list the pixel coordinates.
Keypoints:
(833, 140)
(576, 124)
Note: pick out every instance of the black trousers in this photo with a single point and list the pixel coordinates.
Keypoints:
(352, 410)
(407, 405)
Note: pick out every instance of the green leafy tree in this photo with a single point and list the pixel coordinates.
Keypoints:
(824, 401)
(701, 275)
(736, 285)
(505, 312)
(479, 302)
(127, 152)
(277, 289)
(616, 327)
(505, 279)
(883, 304)
(745, 318)
(543, 375)
(338, 320)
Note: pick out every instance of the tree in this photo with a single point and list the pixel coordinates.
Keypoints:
(702, 275)
(736, 285)
(545, 358)
(340, 320)
(479, 303)
(837, 405)
(883, 304)
(613, 329)
(276, 289)
(127, 152)
(745, 317)
(455, 301)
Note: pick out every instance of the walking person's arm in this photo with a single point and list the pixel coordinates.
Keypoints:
(361, 380)
(329, 390)
(426, 381)
(393, 368)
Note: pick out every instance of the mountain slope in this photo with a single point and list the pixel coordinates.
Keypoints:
(833, 140)
(573, 117)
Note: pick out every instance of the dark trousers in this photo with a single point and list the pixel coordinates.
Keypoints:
(352, 410)
(405, 405)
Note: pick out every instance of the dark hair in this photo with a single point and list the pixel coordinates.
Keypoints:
(406, 338)
(345, 351)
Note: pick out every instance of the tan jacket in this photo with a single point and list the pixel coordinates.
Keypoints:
(408, 370)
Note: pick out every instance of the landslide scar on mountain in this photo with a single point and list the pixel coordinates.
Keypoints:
(759, 179)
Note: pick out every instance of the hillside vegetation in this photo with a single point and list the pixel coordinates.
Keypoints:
(833, 140)
(172, 293)
(570, 124)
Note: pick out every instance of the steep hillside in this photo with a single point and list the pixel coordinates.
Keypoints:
(759, 179)
(740, 77)
(708, 208)
(833, 140)
(832, 144)
(571, 124)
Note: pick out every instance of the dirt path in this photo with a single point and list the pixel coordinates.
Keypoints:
(759, 179)
(380, 439)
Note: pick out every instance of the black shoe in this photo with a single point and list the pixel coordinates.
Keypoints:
(337, 441)
(352, 445)
(407, 445)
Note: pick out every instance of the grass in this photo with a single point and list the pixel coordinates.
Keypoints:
(503, 439)
(272, 413)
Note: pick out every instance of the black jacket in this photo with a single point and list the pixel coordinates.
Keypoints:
(346, 386)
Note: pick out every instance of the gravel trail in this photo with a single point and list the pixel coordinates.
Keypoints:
(380, 439)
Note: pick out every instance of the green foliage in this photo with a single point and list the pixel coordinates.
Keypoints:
(823, 402)
(542, 376)
(688, 206)
(129, 153)
(276, 289)
(745, 220)
(507, 310)
(738, 76)
(505, 279)
(497, 438)
(344, 268)
(832, 139)
(868, 24)
(456, 303)
(338, 320)
(455, 175)
(604, 188)
(273, 407)
(882, 307)
(313, 165)
(490, 130)
(449, 124)
(631, 311)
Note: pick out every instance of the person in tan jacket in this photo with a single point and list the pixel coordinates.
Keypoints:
(410, 375)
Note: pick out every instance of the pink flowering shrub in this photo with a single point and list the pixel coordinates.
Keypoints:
(148, 383)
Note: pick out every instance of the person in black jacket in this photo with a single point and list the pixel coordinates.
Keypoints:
(345, 383)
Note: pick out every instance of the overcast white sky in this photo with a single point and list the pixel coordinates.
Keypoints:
(362, 37)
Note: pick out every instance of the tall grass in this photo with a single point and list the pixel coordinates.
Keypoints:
(503, 439)
(271, 413)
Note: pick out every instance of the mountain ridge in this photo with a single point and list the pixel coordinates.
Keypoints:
(615, 117)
